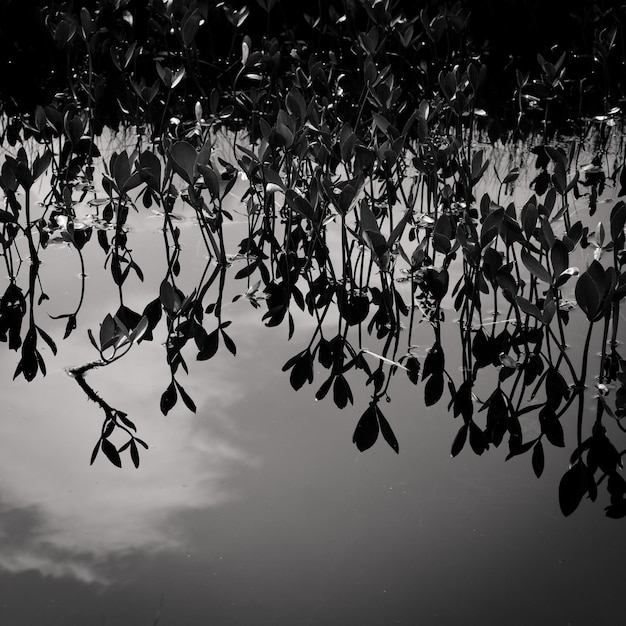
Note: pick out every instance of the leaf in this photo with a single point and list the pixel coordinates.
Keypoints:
(122, 417)
(168, 399)
(366, 432)
(387, 432)
(589, 293)
(529, 308)
(167, 296)
(178, 76)
(459, 440)
(535, 268)
(368, 221)
(95, 451)
(399, 228)
(70, 326)
(516, 448)
(229, 343)
(139, 330)
(211, 179)
(551, 427)
(618, 218)
(111, 453)
(44, 335)
(559, 257)
(564, 276)
(342, 394)
(6, 217)
(573, 486)
(190, 27)
(189, 403)
(462, 401)
(529, 218)
(299, 204)
(134, 453)
(547, 237)
(302, 369)
(433, 389)
(413, 369)
(477, 438)
(209, 346)
(325, 388)
(538, 459)
(183, 158)
(511, 177)
(107, 332)
(378, 245)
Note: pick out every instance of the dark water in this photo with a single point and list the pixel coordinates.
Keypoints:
(259, 509)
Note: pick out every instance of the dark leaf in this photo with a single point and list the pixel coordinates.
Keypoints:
(126, 421)
(529, 308)
(189, 403)
(209, 346)
(618, 218)
(535, 268)
(462, 402)
(459, 440)
(574, 485)
(387, 432)
(94, 454)
(538, 459)
(366, 431)
(103, 241)
(556, 388)
(434, 362)
(167, 295)
(183, 158)
(516, 447)
(111, 453)
(168, 399)
(560, 257)
(302, 370)
(48, 340)
(477, 439)
(229, 343)
(433, 389)
(299, 204)
(70, 326)
(589, 295)
(325, 388)
(134, 453)
(412, 369)
(551, 427)
(342, 394)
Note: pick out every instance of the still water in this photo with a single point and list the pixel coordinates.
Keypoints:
(258, 509)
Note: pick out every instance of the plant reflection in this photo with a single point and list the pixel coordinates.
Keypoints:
(371, 223)
(515, 262)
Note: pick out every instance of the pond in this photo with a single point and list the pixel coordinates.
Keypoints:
(257, 508)
(311, 318)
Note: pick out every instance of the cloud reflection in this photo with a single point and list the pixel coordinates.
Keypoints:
(62, 518)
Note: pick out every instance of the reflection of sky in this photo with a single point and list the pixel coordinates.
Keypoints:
(100, 510)
(66, 517)
(259, 509)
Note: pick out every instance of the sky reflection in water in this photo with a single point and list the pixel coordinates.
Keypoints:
(258, 510)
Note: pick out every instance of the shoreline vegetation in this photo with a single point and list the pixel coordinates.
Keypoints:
(542, 67)
(359, 116)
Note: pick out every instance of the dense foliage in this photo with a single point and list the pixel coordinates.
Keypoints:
(546, 63)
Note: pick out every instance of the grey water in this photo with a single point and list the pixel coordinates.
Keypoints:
(258, 509)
